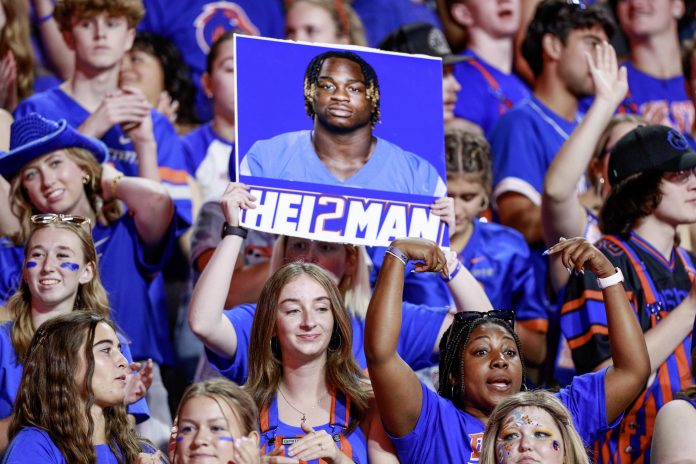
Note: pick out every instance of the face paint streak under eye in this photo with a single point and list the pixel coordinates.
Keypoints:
(179, 438)
(70, 266)
(31, 264)
(223, 438)
(503, 451)
(556, 445)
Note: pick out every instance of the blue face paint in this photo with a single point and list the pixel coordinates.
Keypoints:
(179, 438)
(556, 445)
(223, 438)
(70, 266)
(31, 264)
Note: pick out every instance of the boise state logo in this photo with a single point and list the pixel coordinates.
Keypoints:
(218, 18)
(677, 141)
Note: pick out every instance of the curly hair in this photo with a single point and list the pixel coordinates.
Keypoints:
(560, 18)
(312, 77)
(572, 443)
(15, 38)
(633, 198)
(452, 347)
(68, 10)
(470, 154)
(177, 77)
(91, 296)
(50, 398)
(266, 367)
(347, 21)
(21, 207)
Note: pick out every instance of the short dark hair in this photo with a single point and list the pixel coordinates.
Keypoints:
(560, 18)
(633, 198)
(312, 77)
(177, 79)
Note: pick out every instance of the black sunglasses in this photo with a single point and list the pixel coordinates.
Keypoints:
(467, 317)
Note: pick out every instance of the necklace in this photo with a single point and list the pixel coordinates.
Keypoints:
(304, 414)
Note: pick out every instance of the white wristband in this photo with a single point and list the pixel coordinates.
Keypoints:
(611, 280)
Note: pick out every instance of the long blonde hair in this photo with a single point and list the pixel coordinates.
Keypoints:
(265, 364)
(15, 37)
(106, 211)
(91, 296)
(572, 443)
(355, 287)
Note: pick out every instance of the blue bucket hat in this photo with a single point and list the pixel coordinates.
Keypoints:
(33, 135)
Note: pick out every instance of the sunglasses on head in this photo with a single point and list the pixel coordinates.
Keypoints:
(467, 317)
(49, 218)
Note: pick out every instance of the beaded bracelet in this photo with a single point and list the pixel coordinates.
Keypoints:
(398, 254)
(454, 273)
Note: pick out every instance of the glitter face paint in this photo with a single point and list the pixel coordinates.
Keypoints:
(70, 266)
(529, 432)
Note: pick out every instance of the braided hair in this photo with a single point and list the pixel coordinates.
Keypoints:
(453, 343)
(312, 77)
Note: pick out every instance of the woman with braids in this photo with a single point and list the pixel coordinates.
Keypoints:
(480, 362)
(533, 425)
(69, 406)
(60, 275)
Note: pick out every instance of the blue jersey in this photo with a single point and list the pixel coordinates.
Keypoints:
(654, 286)
(523, 144)
(419, 329)
(382, 17)
(208, 160)
(193, 26)
(277, 434)
(291, 156)
(498, 258)
(647, 93)
(11, 376)
(126, 273)
(487, 93)
(445, 433)
(33, 445)
(56, 104)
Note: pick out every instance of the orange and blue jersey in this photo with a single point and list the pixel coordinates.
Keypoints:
(654, 286)
(275, 434)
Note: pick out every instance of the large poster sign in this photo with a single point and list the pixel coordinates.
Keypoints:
(340, 144)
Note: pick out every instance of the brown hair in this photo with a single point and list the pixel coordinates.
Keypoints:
(15, 37)
(265, 366)
(574, 449)
(91, 296)
(66, 11)
(52, 399)
(469, 154)
(633, 198)
(107, 211)
(347, 21)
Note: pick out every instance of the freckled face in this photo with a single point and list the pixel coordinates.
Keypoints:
(529, 434)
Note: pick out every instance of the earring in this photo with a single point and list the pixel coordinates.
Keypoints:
(85, 179)
(599, 186)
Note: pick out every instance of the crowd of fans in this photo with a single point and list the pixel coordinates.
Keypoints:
(558, 327)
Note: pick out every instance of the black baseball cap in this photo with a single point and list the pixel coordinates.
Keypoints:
(421, 39)
(650, 148)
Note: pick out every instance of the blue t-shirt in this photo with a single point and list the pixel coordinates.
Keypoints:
(484, 101)
(208, 160)
(11, 376)
(445, 433)
(291, 156)
(56, 104)
(498, 258)
(419, 329)
(126, 274)
(193, 26)
(647, 93)
(382, 17)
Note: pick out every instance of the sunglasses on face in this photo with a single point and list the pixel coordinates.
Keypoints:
(49, 218)
(679, 177)
(468, 317)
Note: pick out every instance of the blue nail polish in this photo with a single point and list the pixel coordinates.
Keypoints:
(70, 266)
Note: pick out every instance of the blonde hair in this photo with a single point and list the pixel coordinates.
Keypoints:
(91, 296)
(22, 208)
(346, 20)
(355, 288)
(265, 365)
(15, 37)
(574, 449)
